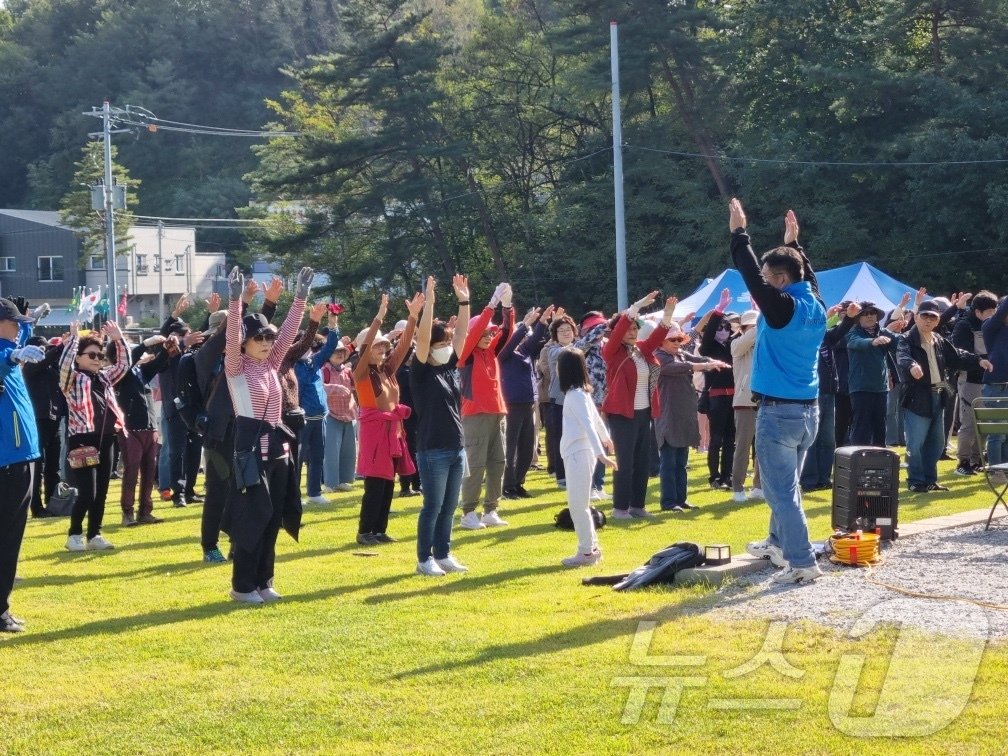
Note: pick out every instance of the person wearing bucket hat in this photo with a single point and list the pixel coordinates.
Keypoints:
(785, 380)
(383, 452)
(869, 347)
(265, 498)
(341, 420)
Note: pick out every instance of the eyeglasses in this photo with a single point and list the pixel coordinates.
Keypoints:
(92, 355)
(264, 337)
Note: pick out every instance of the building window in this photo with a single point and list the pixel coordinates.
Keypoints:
(141, 265)
(50, 269)
(97, 262)
(179, 265)
(7, 265)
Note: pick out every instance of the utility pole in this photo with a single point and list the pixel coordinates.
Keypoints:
(617, 148)
(160, 275)
(110, 257)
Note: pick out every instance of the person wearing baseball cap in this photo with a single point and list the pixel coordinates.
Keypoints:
(18, 447)
(923, 356)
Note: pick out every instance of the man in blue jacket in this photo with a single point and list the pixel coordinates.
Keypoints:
(785, 382)
(18, 447)
(313, 401)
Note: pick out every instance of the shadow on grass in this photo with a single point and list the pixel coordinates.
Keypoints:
(467, 583)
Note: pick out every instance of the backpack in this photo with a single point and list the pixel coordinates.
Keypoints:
(191, 405)
(563, 520)
(663, 566)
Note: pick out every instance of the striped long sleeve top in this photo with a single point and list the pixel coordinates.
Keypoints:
(76, 386)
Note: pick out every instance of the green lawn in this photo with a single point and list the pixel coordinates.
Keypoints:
(139, 650)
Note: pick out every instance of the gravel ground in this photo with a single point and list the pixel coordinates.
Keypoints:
(965, 562)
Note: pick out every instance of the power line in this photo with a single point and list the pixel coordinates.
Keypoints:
(843, 163)
(202, 220)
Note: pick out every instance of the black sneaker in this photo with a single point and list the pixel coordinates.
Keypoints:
(10, 624)
(193, 498)
(383, 538)
(42, 514)
(965, 468)
(522, 493)
(509, 493)
(937, 487)
(919, 488)
(366, 539)
(179, 501)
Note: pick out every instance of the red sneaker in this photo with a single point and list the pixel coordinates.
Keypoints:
(166, 494)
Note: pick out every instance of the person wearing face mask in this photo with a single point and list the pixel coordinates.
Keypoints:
(721, 391)
(341, 421)
(562, 331)
(383, 451)
(785, 381)
(94, 419)
(440, 448)
(483, 411)
(632, 402)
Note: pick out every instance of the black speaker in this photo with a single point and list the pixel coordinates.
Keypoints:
(866, 489)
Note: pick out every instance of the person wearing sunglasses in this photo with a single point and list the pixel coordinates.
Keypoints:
(253, 353)
(94, 418)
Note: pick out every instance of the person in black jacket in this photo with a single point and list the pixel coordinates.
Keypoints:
(968, 336)
(42, 380)
(923, 356)
(721, 390)
(138, 441)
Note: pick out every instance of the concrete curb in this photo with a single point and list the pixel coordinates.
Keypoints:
(744, 564)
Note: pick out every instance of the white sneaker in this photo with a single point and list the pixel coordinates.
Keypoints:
(492, 520)
(602, 493)
(252, 597)
(268, 595)
(327, 489)
(429, 568)
(317, 500)
(766, 550)
(344, 487)
(621, 514)
(471, 521)
(755, 493)
(798, 574)
(738, 496)
(639, 513)
(583, 560)
(596, 495)
(76, 543)
(98, 543)
(451, 564)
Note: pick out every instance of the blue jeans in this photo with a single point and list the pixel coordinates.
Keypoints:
(895, 435)
(598, 476)
(997, 443)
(311, 452)
(818, 469)
(784, 434)
(441, 477)
(925, 442)
(672, 474)
(340, 451)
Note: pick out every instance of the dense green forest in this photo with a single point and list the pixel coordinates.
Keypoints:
(475, 135)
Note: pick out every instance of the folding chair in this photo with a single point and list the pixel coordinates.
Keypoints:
(991, 415)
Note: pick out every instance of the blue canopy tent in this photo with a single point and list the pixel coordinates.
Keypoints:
(858, 282)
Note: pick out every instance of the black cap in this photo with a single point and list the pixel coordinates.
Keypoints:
(930, 307)
(256, 323)
(9, 311)
(868, 307)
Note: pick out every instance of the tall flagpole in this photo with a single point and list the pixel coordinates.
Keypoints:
(617, 147)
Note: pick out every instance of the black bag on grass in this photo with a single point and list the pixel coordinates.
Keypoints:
(562, 519)
(663, 566)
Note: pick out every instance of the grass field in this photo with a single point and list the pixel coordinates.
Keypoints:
(140, 651)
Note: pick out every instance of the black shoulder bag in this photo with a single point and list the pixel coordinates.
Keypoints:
(247, 463)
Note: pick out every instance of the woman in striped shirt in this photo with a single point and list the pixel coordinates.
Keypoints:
(253, 352)
(93, 419)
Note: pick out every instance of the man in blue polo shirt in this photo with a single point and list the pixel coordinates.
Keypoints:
(790, 328)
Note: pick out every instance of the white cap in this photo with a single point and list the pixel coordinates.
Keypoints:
(749, 317)
(360, 337)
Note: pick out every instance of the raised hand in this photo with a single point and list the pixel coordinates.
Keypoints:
(506, 297)
(452, 322)
(383, 307)
(415, 306)
(29, 353)
(921, 293)
(111, 329)
(303, 285)
(790, 227)
(688, 319)
(74, 328)
(961, 300)
(193, 338)
(670, 305)
(251, 289)
(547, 315)
(897, 326)
(499, 292)
(236, 282)
(430, 288)
(272, 292)
(213, 304)
(41, 311)
(736, 216)
(724, 300)
(646, 301)
(460, 284)
(558, 313)
(905, 299)
(317, 311)
(182, 304)
(854, 309)
(531, 317)
(332, 320)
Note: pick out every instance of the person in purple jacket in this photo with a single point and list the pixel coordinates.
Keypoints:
(518, 384)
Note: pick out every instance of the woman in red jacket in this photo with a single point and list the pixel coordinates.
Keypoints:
(632, 401)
